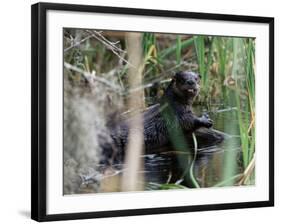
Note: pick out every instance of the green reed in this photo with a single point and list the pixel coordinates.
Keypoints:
(233, 74)
(178, 50)
(227, 67)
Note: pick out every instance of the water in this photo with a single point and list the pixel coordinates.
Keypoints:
(211, 165)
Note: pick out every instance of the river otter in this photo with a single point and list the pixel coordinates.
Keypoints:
(164, 123)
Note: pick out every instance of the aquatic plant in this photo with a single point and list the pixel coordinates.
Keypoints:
(227, 69)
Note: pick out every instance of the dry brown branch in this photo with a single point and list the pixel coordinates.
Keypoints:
(248, 171)
(91, 78)
(133, 162)
(77, 43)
(110, 45)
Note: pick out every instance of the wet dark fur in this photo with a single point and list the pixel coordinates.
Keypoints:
(173, 113)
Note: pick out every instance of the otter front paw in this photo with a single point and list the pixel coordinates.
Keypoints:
(206, 121)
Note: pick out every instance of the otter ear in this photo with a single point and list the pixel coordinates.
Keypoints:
(174, 78)
(177, 75)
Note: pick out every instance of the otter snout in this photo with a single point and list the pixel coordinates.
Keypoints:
(191, 82)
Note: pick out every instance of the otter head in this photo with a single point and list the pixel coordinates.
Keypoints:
(186, 85)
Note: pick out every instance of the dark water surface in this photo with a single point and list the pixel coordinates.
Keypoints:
(211, 165)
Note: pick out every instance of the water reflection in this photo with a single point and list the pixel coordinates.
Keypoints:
(169, 167)
(210, 167)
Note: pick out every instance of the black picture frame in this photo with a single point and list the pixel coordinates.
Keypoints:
(39, 107)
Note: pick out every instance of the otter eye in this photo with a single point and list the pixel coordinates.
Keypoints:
(181, 81)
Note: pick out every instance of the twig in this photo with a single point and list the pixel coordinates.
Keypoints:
(90, 78)
(77, 43)
(109, 42)
(248, 171)
(241, 177)
(149, 85)
(111, 46)
(226, 109)
(230, 180)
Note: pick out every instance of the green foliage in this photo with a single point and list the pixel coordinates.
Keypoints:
(226, 65)
(199, 44)
(154, 186)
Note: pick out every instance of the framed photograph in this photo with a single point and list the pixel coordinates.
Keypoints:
(139, 111)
